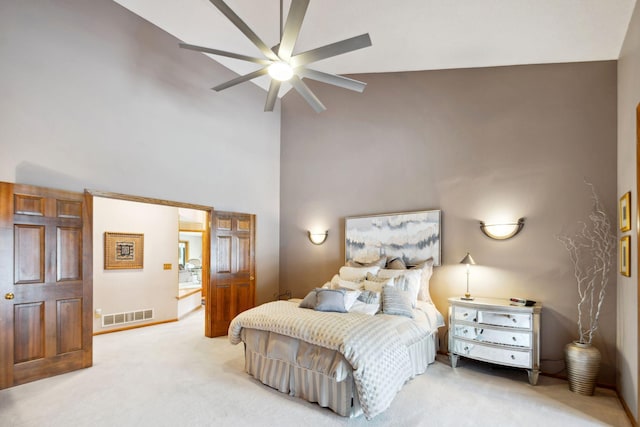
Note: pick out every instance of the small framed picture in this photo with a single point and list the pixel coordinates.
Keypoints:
(625, 212)
(123, 251)
(625, 256)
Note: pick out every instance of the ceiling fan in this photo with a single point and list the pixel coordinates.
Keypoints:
(281, 63)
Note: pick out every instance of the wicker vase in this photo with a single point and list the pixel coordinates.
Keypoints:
(583, 364)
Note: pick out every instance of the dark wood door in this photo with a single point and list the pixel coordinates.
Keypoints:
(232, 283)
(45, 283)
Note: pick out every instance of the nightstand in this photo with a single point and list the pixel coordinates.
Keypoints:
(492, 330)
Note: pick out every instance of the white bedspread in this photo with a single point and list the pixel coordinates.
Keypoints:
(375, 346)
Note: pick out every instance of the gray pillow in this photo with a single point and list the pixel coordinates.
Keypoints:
(397, 302)
(396, 264)
(330, 300)
(310, 300)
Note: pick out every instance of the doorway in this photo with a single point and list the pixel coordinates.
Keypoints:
(189, 260)
(170, 283)
(191, 292)
(228, 260)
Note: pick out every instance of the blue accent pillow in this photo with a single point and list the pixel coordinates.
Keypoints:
(330, 300)
(310, 300)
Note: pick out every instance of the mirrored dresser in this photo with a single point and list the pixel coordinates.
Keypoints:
(493, 330)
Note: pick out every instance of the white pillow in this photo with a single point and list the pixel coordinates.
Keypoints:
(350, 298)
(357, 274)
(386, 273)
(410, 283)
(339, 283)
(427, 271)
(364, 308)
(334, 281)
(367, 303)
(377, 285)
(351, 286)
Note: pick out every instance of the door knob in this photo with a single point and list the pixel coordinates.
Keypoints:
(9, 295)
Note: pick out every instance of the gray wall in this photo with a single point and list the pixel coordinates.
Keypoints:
(92, 96)
(628, 100)
(475, 143)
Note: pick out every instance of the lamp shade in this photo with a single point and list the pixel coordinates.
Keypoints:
(468, 259)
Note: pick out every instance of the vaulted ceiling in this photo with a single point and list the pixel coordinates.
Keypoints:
(408, 35)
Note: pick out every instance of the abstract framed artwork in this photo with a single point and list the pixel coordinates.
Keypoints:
(123, 251)
(624, 211)
(413, 236)
(625, 255)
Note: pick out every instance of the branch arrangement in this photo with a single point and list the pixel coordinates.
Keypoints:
(592, 252)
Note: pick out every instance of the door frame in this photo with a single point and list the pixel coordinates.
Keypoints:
(206, 233)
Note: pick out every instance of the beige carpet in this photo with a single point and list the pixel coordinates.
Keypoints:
(170, 375)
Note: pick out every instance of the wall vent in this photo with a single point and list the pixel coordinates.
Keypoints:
(127, 317)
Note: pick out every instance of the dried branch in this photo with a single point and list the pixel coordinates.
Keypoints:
(592, 252)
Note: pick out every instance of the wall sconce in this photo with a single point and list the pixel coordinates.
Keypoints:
(502, 231)
(318, 238)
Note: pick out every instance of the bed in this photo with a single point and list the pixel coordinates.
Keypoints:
(351, 344)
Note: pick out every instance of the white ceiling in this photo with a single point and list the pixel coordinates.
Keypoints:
(408, 35)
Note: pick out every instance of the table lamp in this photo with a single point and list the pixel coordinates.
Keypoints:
(468, 260)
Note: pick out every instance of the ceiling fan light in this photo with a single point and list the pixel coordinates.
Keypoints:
(280, 71)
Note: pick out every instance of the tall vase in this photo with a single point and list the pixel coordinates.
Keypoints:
(583, 364)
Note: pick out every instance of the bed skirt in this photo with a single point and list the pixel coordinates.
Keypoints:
(314, 373)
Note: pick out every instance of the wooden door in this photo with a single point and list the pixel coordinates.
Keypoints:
(45, 283)
(232, 283)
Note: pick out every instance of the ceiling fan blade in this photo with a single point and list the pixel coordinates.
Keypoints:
(332, 79)
(274, 88)
(292, 28)
(333, 49)
(241, 79)
(224, 53)
(242, 26)
(307, 94)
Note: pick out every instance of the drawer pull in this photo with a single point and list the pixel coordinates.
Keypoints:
(514, 338)
(466, 331)
(513, 357)
(514, 320)
(466, 348)
(465, 314)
